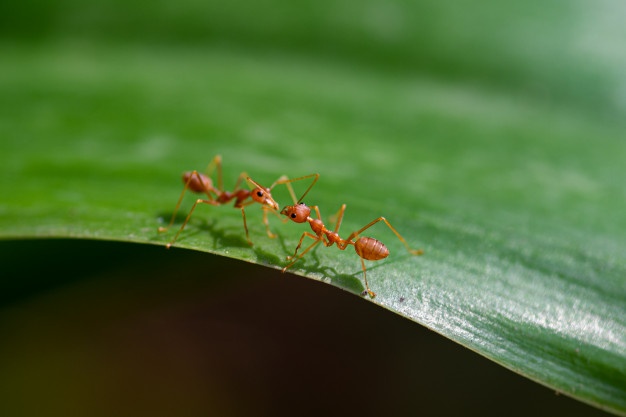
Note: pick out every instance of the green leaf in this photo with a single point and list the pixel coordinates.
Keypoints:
(517, 199)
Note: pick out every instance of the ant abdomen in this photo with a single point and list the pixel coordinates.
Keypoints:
(198, 183)
(371, 249)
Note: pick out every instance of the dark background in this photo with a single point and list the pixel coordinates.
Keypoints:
(104, 328)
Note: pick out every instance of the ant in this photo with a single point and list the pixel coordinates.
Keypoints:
(202, 184)
(366, 247)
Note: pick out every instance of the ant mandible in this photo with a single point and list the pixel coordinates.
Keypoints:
(202, 184)
(366, 247)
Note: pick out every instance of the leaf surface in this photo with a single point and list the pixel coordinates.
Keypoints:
(517, 200)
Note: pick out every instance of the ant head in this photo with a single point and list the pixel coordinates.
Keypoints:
(298, 213)
(263, 196)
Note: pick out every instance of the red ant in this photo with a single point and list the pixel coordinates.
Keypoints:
(202, 184)
(366, 247)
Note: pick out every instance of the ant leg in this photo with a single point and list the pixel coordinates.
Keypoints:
(342, 244)
(266, 221)
(245, 224)
(326, 239)
(240, 178)
(371, 293)
(295, 254)
(373, 222)
(285, 180)
(309, 234)
(317, 213)
(216, 162)
(197, 176)
(198, 201)
(339, 217)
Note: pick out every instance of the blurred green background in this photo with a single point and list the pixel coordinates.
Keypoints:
(565, 51)
(96, 328)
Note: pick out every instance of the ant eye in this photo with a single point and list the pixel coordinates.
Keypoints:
(259, 193)
(293, 215)
(301, 204)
